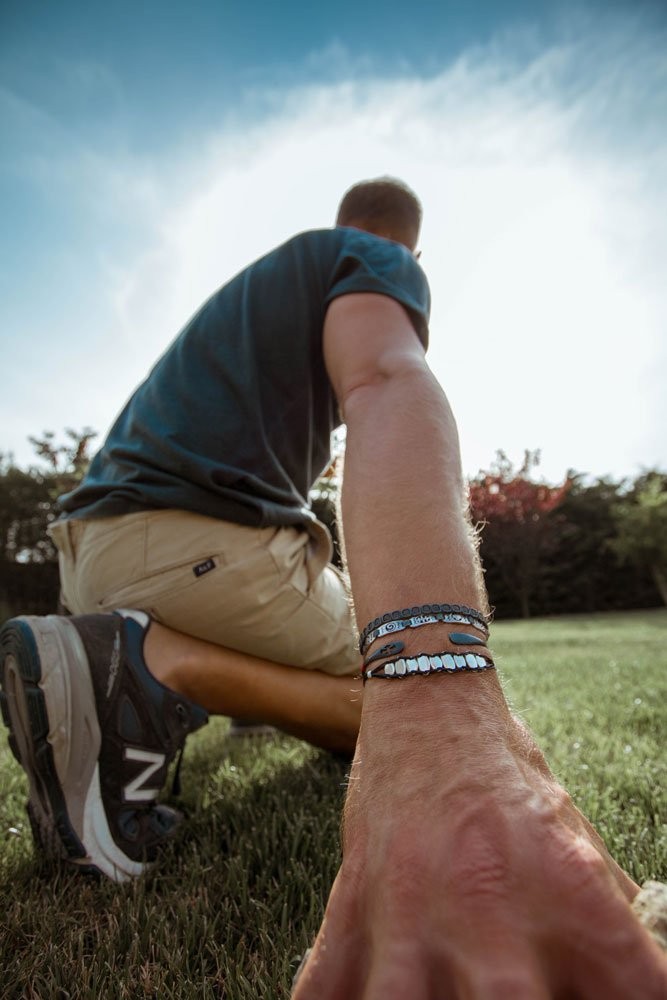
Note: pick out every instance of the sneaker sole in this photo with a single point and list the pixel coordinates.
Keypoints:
(48, 704)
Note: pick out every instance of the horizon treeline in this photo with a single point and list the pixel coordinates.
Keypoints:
(578, 547)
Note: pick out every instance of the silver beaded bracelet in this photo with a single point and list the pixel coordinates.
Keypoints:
(429, 663)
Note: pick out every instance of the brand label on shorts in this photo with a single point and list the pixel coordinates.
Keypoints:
(203, 567)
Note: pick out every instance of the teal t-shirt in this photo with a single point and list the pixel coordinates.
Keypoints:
(235, 419)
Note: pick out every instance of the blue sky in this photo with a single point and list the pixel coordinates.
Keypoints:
(150, 150)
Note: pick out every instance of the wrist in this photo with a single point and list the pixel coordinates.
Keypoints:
(414, 712)
(438, 742)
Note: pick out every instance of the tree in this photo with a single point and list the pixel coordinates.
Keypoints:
(68, 462)
(28, 504)
(28, 498)
(583, 575)
(516, 514)
(25, 511)
(641, 528)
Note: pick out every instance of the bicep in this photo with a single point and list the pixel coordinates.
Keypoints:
(368, 338)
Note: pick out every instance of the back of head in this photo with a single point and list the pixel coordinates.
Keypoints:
(386, 207)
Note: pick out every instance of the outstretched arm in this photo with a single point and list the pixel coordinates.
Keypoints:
(467, 871)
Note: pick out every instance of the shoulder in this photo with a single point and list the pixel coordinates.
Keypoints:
(347, 239)
(329, 246)
(369, 263)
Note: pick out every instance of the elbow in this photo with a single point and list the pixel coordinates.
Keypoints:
(392, 376)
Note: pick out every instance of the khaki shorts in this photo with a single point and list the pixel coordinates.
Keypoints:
(270, 592)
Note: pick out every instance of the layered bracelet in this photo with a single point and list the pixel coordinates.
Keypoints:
(447, 661)
(429, 663)
(424, 614)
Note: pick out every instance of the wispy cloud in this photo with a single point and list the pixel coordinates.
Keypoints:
(542, 172)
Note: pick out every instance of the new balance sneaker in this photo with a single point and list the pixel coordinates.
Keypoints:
(95, 732)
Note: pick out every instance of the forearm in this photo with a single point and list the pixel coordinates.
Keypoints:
(403, 502)
(409, 542)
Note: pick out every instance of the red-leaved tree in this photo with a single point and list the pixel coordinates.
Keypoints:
(518, 526)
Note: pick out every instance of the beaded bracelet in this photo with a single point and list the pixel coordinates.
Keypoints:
(422, 614)
(429, 663)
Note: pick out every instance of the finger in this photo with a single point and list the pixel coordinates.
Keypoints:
(513, 972)
(605, 953)
(626, 963)
(628, 886)
(505, 984)
(331, 972)
(336, 963)
(510, 970)
(397, 977)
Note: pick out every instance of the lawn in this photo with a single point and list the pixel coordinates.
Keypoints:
(237, 899)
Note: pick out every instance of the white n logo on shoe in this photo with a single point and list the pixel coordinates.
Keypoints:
(133, 792)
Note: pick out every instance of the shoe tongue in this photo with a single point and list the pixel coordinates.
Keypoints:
(135, 633)
(163, 699)
(129, 723)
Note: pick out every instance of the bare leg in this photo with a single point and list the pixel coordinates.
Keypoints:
(314, 706)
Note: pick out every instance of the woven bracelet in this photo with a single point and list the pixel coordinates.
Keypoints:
(422, 615)
(429, 663)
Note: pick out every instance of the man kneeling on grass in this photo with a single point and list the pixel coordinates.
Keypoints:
(467, 871)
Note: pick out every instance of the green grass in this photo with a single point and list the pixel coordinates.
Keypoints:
(238, 898)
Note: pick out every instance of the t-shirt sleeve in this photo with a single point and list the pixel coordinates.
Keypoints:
(368, 263)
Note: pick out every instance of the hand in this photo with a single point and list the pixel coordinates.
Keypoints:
(468, 874)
